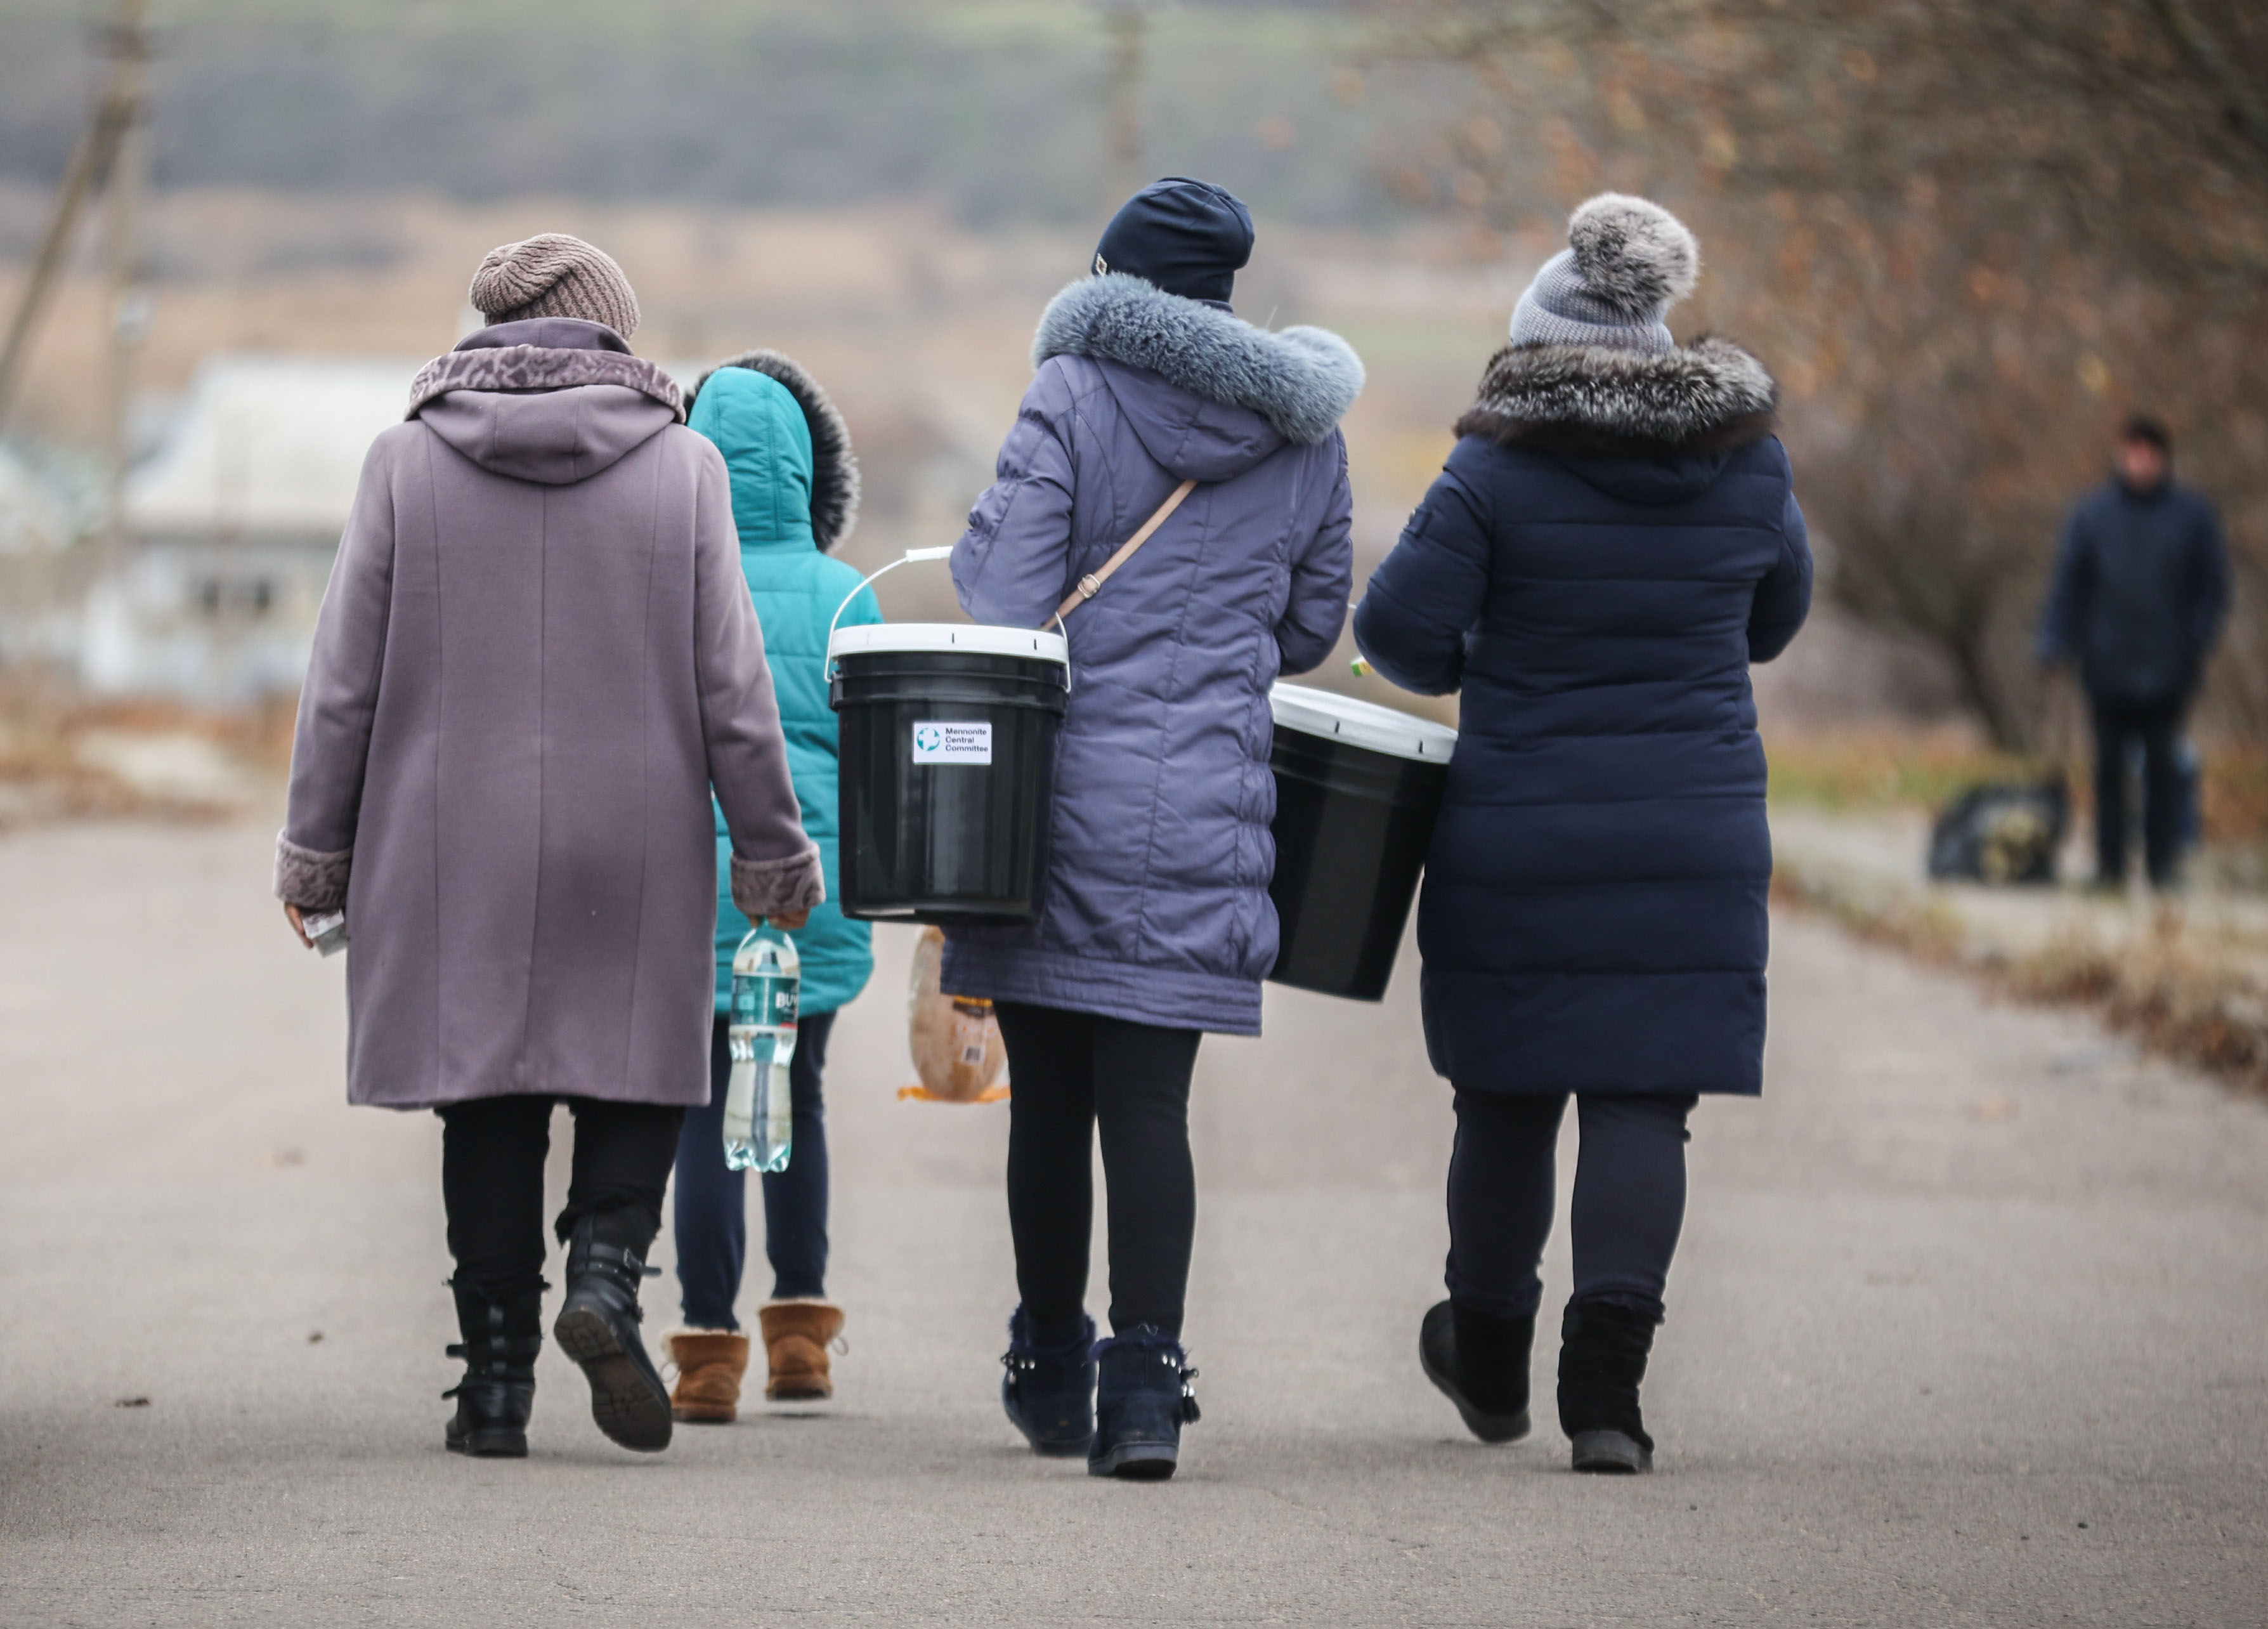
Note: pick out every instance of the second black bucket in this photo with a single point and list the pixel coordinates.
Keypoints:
(1358, 787)
(949, 758)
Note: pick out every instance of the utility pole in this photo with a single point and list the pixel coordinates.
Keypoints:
(110, 157)
(1124, 22)
(129, 304)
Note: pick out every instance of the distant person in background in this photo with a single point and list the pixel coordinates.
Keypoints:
(535, 659)
(795, 495)
(2140, 589)
(1155, 924)
(1614, 541)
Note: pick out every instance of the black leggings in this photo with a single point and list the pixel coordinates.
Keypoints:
(492, 1156)
(1068, 1074)
(1629, 1204)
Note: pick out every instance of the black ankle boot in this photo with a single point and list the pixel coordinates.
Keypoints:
(598, 1327)
(1603, 1350)
(496, 1396)
(1142, 1401)
(1049, 1391)
(1480, 1364)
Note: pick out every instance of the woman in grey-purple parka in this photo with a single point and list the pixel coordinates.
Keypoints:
(1155, 924)
(536, 657)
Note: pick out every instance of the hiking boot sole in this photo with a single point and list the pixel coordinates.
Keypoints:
(1611, 1452)
(490, 1445)
(625, 1405)
(1136, 1462)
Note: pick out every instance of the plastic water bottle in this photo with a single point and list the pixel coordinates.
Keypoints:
(760, 1032)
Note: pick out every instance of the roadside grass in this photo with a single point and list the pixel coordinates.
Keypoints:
(2236, 794)
(60, 758)
(1917, 925)
(1870, 769)
(1873, 770)
(2179, 994)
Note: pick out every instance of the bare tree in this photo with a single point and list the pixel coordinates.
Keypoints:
(1967, 233)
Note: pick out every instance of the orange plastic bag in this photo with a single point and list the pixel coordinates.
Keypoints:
(955, 1039)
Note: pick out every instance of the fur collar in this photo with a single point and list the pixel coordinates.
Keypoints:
(526, 368)
(834, 465)
(1301, 380)
(1706, 397)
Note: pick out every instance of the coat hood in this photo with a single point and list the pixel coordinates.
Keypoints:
(552, 400)
(767, 449)
(1708, 397)
(830, 477)
(1236, 392)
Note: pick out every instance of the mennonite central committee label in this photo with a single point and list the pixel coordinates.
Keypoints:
(953, 743)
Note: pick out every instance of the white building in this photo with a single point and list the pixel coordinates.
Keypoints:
(232, 525)
(34, 517)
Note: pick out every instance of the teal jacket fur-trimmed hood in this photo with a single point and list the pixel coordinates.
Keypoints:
(795, 496)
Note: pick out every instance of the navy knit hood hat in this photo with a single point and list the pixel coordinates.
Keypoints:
(1187, 236)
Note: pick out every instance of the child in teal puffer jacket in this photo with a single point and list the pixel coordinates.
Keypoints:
(795, 494)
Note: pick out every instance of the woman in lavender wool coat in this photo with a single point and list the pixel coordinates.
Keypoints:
(1156, 924)
(536, 657)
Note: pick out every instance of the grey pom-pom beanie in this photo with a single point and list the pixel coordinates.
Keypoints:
(554, 275)
(1627, 263)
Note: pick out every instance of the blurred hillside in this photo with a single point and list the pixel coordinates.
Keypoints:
(987, 109)
(921, 328)
(891, 189)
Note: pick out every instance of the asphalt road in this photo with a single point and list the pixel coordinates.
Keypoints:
(1970, 1326)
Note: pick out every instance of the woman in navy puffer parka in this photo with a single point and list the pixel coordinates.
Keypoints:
(1614, 541)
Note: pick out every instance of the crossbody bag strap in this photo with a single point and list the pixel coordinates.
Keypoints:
(1092, 583)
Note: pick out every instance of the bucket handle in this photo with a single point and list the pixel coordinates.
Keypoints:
(911, 557)
(914, 556)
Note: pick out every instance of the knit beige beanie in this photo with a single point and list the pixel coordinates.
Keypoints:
(554, 275)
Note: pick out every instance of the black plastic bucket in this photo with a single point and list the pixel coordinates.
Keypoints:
(948, 768)
(1357, 788)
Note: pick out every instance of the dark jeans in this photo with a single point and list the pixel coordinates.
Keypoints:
(1070, 1074)
(492, 1156)
(1629, 1206)
(712, 1206)
(2157, 726)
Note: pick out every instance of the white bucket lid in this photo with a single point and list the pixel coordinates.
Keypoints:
(969, 638)
(1360, 724)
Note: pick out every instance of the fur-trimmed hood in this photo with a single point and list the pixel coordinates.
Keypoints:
(1300, 381)
(1709, 397)
(834, 465)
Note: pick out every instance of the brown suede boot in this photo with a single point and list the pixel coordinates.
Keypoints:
(796, 1333)
(710, 1364)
